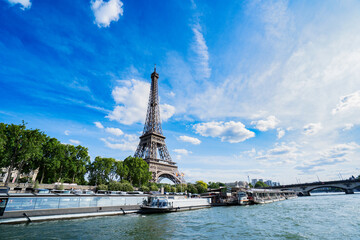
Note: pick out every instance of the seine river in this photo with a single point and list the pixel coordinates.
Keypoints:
(327, 216)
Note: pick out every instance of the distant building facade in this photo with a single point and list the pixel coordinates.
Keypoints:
(15, 175)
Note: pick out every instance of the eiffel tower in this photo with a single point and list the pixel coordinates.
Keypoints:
(152, 141)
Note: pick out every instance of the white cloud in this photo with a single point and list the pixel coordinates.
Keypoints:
(172, 94)
(128, 143)
(233, 132)
(200, 48)
(166, 111)
(312, 128)
(348, 126)
(281, 133)
(284, 153)
(25, 4)
(348, 102)
(275, 17)
(132, 98)
(254, 171)
(114, 131)
(76, 142)
(264, 125)
(182, 151)
(333, 156)
(106, 12)
(99, 125)
(67, 132)
(191, 140)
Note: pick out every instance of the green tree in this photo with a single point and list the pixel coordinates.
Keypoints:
(167, 188)
(100, 170)
(2, 140)
(138, 171)
(201, 186)
(50, 160)
(153, 187)
(79, 160)
(173, 189)
(19, 146)
(213, 185)
(260, 184)
(145, 188)
(191, 188)
(181, 187)
(122, 170)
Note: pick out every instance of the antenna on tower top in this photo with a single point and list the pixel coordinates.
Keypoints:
(155, 67)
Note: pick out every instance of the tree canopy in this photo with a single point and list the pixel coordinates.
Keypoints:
(28, 149)
(260, 184)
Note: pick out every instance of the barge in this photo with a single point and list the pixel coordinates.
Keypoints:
(262, 196)
(174, 204)
(28, 207)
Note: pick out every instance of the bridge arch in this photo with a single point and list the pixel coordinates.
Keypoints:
(345, 190)
(169, 176)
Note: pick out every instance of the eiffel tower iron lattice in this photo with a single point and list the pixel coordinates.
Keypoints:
(152, 141)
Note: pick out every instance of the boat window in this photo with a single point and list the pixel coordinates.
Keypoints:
(16, 204)
(117, 201)
(69, 202)
(47, 203)
(88, 201)
(104, 202)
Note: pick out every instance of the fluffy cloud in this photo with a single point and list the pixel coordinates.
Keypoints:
(106, 12)
(25, 4)
(333, 156)
(200, 48)
(99, 125)
(264, 125)
(280, 154)
(67, 132)
(280, 133)
(348, 126)
(166, 111)
(348, 102)
(233, 132)
(312, 128)
(128, 143)
(191, 140)
(182, 151)
(132, 98)
(76, 142)
(114, 131)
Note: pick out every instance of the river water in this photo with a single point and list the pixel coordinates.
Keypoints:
(321, 216)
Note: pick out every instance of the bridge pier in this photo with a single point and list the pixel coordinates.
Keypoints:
(304, 193)
(349, 191)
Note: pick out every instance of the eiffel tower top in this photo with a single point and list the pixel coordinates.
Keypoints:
(153, 121)
(152, 141)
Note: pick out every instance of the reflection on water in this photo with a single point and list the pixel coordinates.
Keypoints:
(320, 216)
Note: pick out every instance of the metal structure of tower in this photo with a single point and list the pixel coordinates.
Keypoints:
(152, 147)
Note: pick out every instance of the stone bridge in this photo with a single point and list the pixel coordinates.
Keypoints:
(304, 189)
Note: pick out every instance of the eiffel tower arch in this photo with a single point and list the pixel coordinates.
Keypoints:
(152, 147)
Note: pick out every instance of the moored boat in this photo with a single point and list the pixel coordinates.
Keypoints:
(174, 204)
(16, 208)
(262, 196)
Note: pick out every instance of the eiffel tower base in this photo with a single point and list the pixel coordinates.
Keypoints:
(162, 170)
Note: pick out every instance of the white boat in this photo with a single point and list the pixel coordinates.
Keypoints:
(174, 204)
(242, 198)
(261, 196)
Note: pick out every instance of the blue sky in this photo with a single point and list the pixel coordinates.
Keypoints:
(265, 89)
